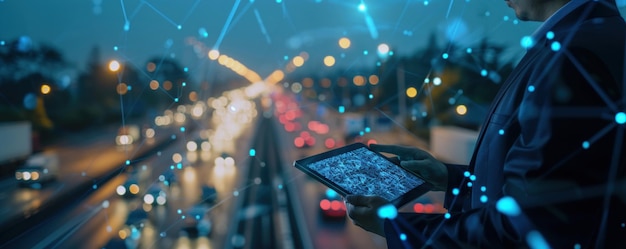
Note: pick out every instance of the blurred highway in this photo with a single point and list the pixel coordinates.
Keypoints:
(178, 191)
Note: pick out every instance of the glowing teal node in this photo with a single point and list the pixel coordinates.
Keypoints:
(531, 88)
(402, 236)
(365, 52)
(470, 184)
(550, 35)
(484, 72)
(455, 191)
(577, 246)
(387, 212)
(620, 118)
(536, 240)
(501, 132)
(94, 186)
(484, 198)
(445, 56)
(507, 205)
(527, 42)
(342, 109)
(371, 96)
(176, 100)
(179, 211)
(182, 129)
(556, 46)
(252, 152)
(586, 145)
(368, 130)
(127, 162)
(468, 50)
(483, 188)
(447, 215)
(472, 178)
(179, 27)
(466, 173)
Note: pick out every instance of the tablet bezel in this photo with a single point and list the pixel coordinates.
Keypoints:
(405, 198)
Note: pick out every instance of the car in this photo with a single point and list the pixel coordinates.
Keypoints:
(197, 222)
(132, 230)
(38, 169)
(332, 205)
(130, 188)
(155, 196)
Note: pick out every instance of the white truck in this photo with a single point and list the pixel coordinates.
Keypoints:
(16, 146)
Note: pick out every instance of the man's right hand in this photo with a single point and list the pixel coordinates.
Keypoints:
(420, 162)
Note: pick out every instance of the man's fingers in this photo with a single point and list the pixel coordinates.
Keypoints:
(392, 149)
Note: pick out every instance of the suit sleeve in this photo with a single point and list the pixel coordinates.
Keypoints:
(557, 171)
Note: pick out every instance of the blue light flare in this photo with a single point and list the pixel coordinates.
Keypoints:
(387, 212)
(536, 241)
(252, 152)
(527, 42)
(507, 205)
(620, 117)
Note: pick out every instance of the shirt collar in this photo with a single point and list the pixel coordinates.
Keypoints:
(556, 17)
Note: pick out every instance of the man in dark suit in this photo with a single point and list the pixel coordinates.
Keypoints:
(549, 168)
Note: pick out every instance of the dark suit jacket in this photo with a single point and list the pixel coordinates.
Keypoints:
(553, 141)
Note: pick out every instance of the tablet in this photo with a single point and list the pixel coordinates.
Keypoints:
(355, 169)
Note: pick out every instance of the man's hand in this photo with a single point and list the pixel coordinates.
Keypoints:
(420, 163)
(363, 210)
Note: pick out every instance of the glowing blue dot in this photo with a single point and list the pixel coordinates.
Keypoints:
(531, 88)
(179, 166)
(184, 84)
(126, 26)
(470, 184)
(171, 166)
(286, 58)
(115, 48)
(501, 132)
(387, 212)
(179, 27)
(507, 205)
(362, 7)
(279, 1)
(623, 224)
(331, 193)
(236, 193)
(556, 46)
(179, 211)
(403, 236)
(455, 191)
(2, 43)
(466, 173)
(483, 198)
(365, 52)
(361, 133)
(586, 145)
(468, 50)
(447, 215)
(425, 3)
(252, 152)
(620, 118)
(371, 96)
(484, 72)
(280, 186)
(127, 162)
(505, 18)
(342, 109)
(163, 234)
(202, 32)
(378, 64)
(577, 246)
(186, 69)
(94, 186)
(182, 129)
(527, 42)
(197, 217)
(550, 35)
(445, 56)
(472, 178)
(368, 130)
(176, 100)
(390, 53)
(536, 241)
(483, 188)
(130, 88)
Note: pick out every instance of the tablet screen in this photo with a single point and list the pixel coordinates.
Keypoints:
(364, 172)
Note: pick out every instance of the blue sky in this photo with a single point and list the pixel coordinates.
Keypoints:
(259, 33)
